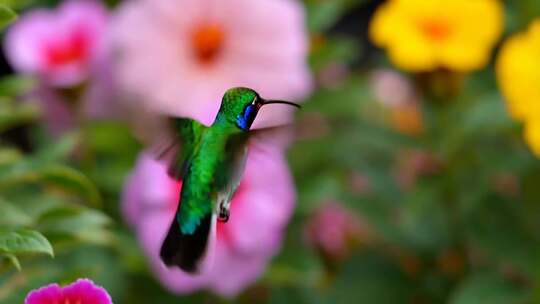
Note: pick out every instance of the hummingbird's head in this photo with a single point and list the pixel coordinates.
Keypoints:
(242, 105)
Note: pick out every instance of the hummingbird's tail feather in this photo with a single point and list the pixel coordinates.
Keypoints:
(189, 251)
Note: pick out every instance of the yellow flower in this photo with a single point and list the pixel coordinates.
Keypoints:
(532, 135)
(423, 35)
(518, 73)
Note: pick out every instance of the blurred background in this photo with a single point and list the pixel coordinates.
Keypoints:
(412, 177)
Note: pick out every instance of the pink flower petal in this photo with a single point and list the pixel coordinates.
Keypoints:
(157, 63)
(157, 193)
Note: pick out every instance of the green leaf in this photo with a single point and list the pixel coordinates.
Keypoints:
(332, 50)
(71, 179)
(16, 85)
(9, 156)
(24, 241)
(60, 149)
(369, 278)
(72, 219)
(7, 15)
(13, 114)
(110, 137)
(76, 222)
(10, 215)
(321, 15)
(41, 171)
(17, 4)
(13, 259)
(488, 288)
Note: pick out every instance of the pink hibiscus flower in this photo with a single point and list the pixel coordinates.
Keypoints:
(59, 46)
(83, 291)
(244, 245)
(180, 56)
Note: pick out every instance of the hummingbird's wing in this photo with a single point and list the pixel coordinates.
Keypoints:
(276, 137)
(182, 135)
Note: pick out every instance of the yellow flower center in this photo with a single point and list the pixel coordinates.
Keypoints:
(207, 41)
(435, 29)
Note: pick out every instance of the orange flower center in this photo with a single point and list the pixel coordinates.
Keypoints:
(207, 41)
(435, 29)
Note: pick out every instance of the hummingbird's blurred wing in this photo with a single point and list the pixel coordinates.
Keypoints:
(271, 138)
(181, 137)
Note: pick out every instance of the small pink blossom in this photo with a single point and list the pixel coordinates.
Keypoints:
(180, 56)
(83, 291)
(392, 88)
(333, 75)
(414, 164)
(399, 96)
(332, 230)
(244, 245)
(58, 45)
(64, 49)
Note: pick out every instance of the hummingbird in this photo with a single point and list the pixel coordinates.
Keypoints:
(210, 162)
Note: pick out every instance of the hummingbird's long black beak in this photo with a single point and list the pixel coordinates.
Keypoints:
(265, 102)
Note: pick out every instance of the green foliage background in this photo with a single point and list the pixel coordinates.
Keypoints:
(453, 236)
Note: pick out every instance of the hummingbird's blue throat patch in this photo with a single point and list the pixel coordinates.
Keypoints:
(245, 120)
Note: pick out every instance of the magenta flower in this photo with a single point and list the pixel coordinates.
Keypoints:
(58, 46)
(180, 56)
(244, 245)
(83, 291)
